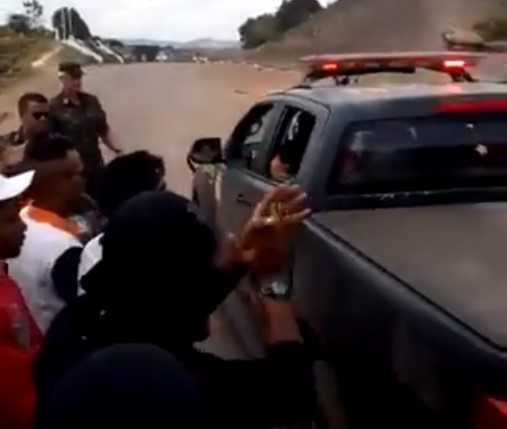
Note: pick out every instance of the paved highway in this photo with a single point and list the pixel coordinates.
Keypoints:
(164, 108)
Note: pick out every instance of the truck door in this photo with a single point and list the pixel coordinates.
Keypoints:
(270, 131)
(246, 178)
(241, 182)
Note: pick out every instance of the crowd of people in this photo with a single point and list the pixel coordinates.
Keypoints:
(108, 281)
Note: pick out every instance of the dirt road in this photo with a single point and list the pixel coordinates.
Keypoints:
(164, 108)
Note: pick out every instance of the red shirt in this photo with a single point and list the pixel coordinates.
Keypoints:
(20, 339)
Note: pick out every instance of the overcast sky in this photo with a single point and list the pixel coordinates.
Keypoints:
(159, 19)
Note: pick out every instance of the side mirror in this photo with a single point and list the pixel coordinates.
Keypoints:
(205, 151)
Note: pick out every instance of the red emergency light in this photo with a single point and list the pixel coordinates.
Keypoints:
(330, 67)
(490, 414)
(321, 66)
(454, 64)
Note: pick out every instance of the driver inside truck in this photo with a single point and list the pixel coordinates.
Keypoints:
(291, 145)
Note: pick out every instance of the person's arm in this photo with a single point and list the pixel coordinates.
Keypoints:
(261, 248)
(279, 388)
(280, 323)
(278, 170)
(109, 142)
(277, 391)
(64, 274)
(223, 282)
(105, 130)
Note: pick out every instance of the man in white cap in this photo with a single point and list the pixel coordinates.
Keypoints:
(20, 337)
(46, 269)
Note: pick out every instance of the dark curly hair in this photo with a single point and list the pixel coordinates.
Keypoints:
(47, 147)
(28, 97)
(127, 176)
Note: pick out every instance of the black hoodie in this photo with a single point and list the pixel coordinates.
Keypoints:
(107, 389)
(157, 284)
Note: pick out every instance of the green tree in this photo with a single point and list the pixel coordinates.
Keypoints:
(265, 28)
(19, 23)
(292, 13)
(34, 10)
(115, 44)
(257, 31)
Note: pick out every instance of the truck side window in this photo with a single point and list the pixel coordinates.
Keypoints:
(290, 144)
(249, 136)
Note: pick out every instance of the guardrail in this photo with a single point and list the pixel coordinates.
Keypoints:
(80, 46)
(108, 51)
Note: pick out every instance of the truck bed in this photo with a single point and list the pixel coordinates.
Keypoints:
(454, 255)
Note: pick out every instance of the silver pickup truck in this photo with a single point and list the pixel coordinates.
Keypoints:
(400, 272)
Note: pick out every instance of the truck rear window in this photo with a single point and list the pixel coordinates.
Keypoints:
(442, 152)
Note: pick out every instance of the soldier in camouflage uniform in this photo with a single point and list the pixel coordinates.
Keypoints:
(80, 117)
(33, 110)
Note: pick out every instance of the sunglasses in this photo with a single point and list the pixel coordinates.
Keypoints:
(40, 115)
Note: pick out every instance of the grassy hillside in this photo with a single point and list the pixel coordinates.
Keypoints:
(17, 54)
(373, 25)
(69, 54)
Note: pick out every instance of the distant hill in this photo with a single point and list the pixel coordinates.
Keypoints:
(373, 25)
(208, 44)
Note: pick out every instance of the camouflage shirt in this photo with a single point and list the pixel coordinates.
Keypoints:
(12, 147)
(83, 123)
(14, 138)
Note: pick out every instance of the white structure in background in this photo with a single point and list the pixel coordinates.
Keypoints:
(80, 46)
(162, 57)
(108, 51)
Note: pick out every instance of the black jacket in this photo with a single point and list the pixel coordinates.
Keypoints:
(271, 392)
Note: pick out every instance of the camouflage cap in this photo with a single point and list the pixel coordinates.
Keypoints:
(72, 69)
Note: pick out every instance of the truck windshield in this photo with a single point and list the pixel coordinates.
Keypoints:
(435, 153)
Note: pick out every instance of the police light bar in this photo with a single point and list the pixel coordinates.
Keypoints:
(321, 66)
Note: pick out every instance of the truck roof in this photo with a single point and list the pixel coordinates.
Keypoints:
(343, 68)
(336, 96)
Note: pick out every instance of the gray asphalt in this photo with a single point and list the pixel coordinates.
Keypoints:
(164, 108)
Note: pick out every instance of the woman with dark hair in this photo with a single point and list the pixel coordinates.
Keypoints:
(158, 282)
(103, 391)
(123, 178)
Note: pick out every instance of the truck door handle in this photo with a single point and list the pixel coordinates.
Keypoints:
(241, 199)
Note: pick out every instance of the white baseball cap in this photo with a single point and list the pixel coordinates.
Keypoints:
(12, 187)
